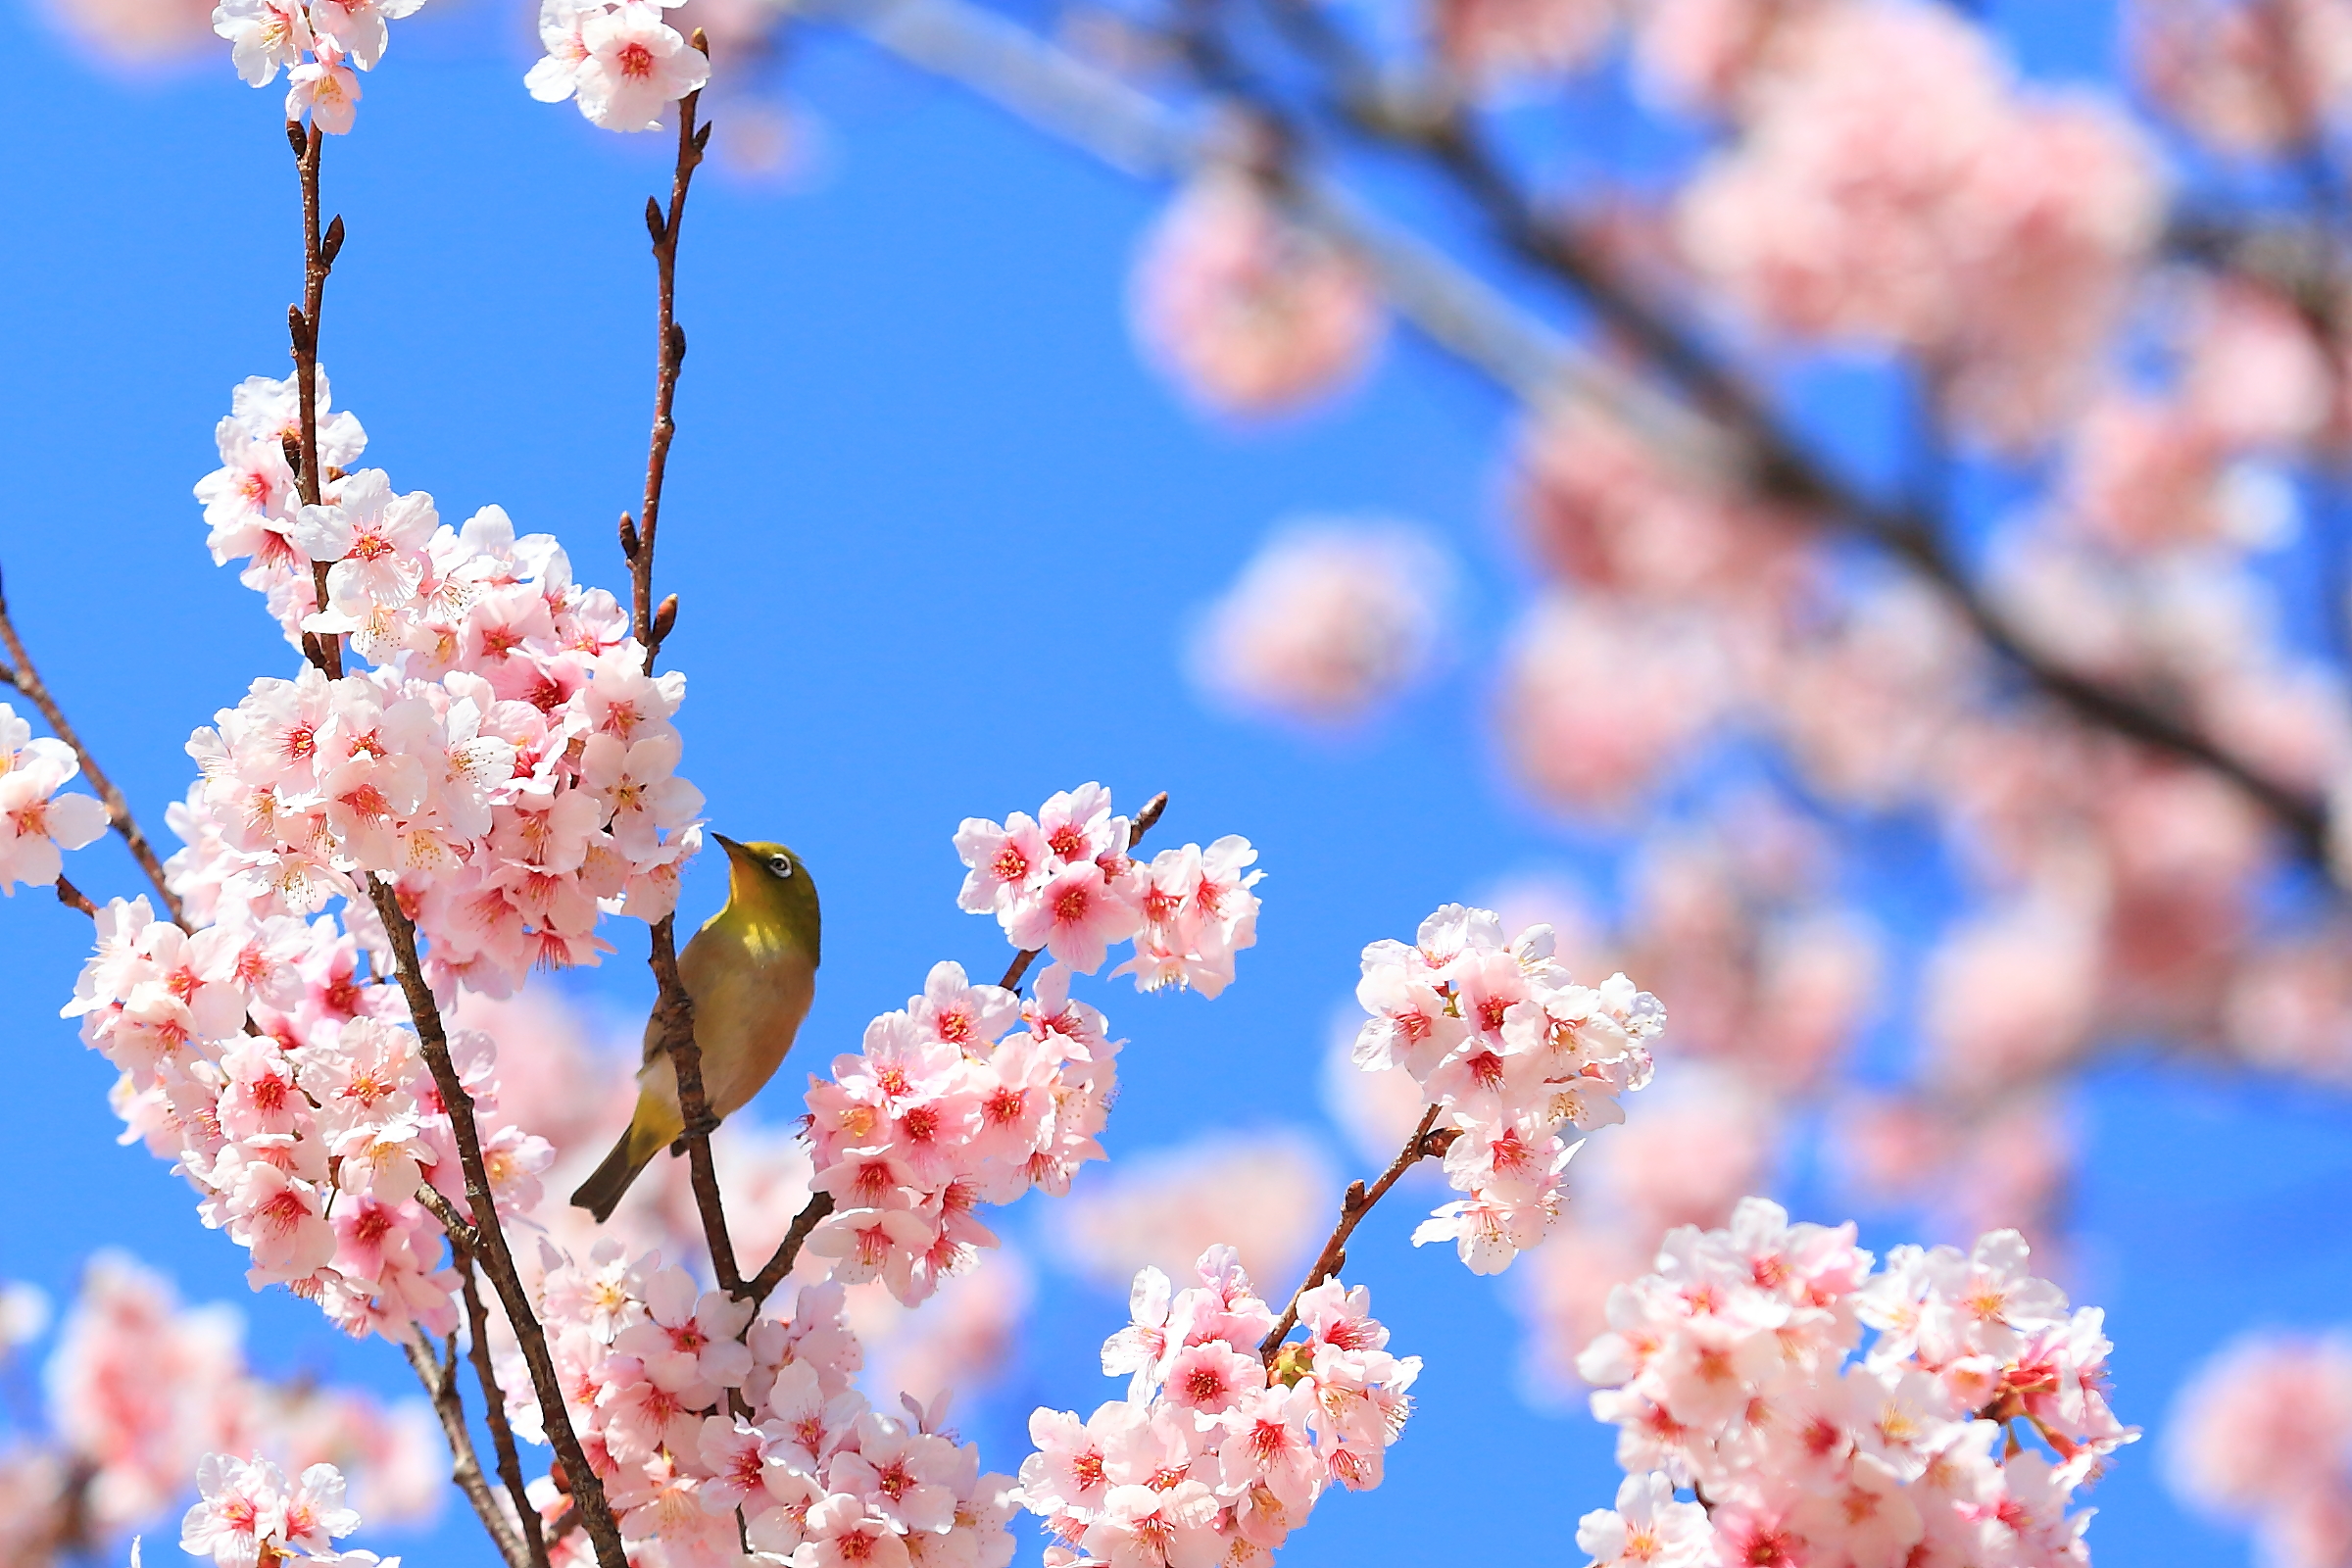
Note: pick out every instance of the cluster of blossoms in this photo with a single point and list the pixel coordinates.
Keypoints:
(35, 821)
(1730, 1373)
(257, 1055)
(1510, 1051)
(620, 61)
(969, 1093)
(321, 45)
(1218, 1453)
(140, 1385)
(248, 1514)
(1062, 883)
(507, 763)
(693, 1412)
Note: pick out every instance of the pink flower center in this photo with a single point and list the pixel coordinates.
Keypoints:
(636, 61)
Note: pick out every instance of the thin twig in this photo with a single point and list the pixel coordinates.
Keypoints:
(1352, 1208)
(760, 1286)
(302, 327)
(439, 1377)
(496, 1258)
(673, 1008)
(26, 680)
(494, 1407)
(72, 898)
(453, 1222)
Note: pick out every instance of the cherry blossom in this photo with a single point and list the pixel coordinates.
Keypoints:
(36, 822)
(622, 62)
(1217, 1453)
(1732, 1372)
(1509, 1052)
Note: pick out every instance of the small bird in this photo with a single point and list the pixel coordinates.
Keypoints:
(752, 973)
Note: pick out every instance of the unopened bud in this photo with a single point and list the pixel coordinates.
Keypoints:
(1293, 1361)
(666, 619)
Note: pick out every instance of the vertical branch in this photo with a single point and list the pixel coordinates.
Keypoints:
(302, 324)
(496, 1258)
(673, 1011)
(439, 1375)
(26, 680)
(494, 1407)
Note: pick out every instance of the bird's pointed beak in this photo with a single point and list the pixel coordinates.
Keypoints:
(728, 844)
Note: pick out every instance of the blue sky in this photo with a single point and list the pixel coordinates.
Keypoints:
(937, 534)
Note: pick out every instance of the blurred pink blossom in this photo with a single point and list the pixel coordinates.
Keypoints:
(1246, 309)
(961, 1344)
(135, 35)
(2250, 76)
(1496, 43)
(1600, 699)
(2263, 1432)
(1328, 621)
(1268, 1194)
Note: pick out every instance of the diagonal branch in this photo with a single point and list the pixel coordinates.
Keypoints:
(26, 680)
(1718, 426)
(1358, 1202)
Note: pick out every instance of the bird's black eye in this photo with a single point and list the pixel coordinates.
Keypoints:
(780, 865)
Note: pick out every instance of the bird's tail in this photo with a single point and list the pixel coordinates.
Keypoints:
(636, 1149)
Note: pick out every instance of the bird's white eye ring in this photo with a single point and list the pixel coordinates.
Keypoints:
(780, 865)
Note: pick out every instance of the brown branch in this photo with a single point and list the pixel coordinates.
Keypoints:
(760, 1286)
(26, 680)
(302, 327)
(440, 1380)
(72, 898)
(1352, 1208)
(494, 1405)
(673, 1011)
(495, 1256)
(1143, 823)
(461, 1235)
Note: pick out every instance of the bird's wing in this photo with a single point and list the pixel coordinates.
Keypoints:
(694, 972)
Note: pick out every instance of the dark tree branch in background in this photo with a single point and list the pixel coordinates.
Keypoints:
(439, 1375)
(72, 898)
(20, 676)
(1422, 1145)
(1714, 424)
(673, 1011)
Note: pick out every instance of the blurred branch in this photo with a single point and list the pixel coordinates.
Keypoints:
(439, 1375)
(1089, 108)
(1725, 430)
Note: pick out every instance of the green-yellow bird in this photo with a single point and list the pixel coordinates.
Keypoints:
(752, 972)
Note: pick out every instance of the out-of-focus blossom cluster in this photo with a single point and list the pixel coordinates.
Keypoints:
(141, 1387)
(36, 822)
(1247, 309)
(1218, 1451)
(653, 1370)
(1508, 1051)
(1330, 622)
(1889, 184)
(1268, 1194)
(321, 45)
(135, 35)
(1960, 1434)
(249, 1513)
(622, 61)
(2263, 1434)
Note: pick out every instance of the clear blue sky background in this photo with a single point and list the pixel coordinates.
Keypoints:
(937, 534)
